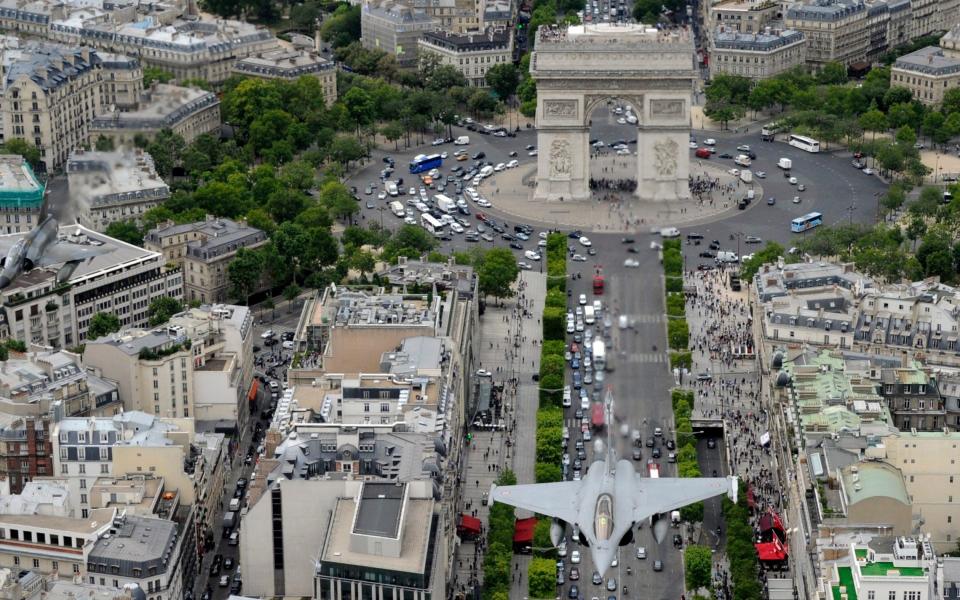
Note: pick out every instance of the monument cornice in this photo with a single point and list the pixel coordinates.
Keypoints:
(590, 86)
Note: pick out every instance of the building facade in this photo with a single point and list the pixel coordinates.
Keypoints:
(836, 31)
(394, 28)
(758, 56)
(473, 54)
(21, 195)
(37, 309)
(204, 251)
(110, 187)
(928, 73)
(187, 112)
(26, 451)
(290, 65)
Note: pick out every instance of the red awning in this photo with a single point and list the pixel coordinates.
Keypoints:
(470, 524)
(253, 390)
(523, 531)
(771, 551)
(751, 502)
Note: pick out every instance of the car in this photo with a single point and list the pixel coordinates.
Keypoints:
(637, 454)
(671, 445)
(658, 565)
(641, 553)
(575, 557)
(793, 181)
(656, 453)
(711, 443)
(796, 199)
(708, 254)
(726, 155)
(631, 263)
(513, 154)
(743, 148)
(371, 204)
(516, 245)
(650, 442)
(583, 299)
(478, 155)
(234, 538)
(734, 172)
(462, 157)
(267, 334)
(530, 254)
(235, 587)
(368, 190)
(868, 171)
(574, 592)
(693, 146)
(752, 239)
(710, 142)
(801, 187)
(677, 540)
(287, 345)
(585, 241)
(437, 142)
(532, 153)
(224, 580)
(513, 163)
(578, 258)
(658, 432)
(760, 174)
(771, 201)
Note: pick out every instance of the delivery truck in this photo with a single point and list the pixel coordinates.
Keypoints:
(445, 203)
(743, 160)
(785, 163)
(746, 176)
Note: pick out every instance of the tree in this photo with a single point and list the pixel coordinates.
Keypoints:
(345, 149)
(698, 567)
(244, 274)
(125, 231)
(151, 74)
(338, 200)
(769, 254)
(951, 102)
(833, 73)
(874, 121)
(446, 77)
(547, 472)
(342, 27)
(102, 324)
(498, 273)
(906, 136)
(162, 308)
(28, 151)
(503, 79)
(897, 95)
(542, 578)
(392, 132)
(291, 293)
(103, 144)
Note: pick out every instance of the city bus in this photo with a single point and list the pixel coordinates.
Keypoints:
(435, 226)
(804, 143)
(425, 162)
(807, 221)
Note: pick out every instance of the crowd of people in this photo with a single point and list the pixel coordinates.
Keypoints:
(620, 185)
(721, 321)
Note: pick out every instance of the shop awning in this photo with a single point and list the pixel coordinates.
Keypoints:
(469, 524)
(523, 531)
(771, 551)
(252, 396)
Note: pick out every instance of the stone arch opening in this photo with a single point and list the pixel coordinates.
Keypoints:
(580, 68)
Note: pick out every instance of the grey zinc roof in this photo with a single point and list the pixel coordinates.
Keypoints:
(930, 60)
(136, 542)
(381, 505)
(51, 66)
(734, 40)
(825, 10)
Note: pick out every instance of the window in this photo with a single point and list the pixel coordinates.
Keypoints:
(36, 563)
(104, 469)
(76, 568)
(16, 560)
(55, 565)
(63, 452)
(366, 407)
(891, 595)
(83, 498)
(83, 484)
(81, 437)
(64, 469)
(83, 469)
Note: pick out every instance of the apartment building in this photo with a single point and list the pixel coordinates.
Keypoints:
(742, 16)
(394, 28)
(50, 96)
(25, 451)
(153, 553)
(473, 54)
(836, 31)
(882, 567)
(290, 65)
(187, 112)
(204, 250)
(759, 55)
(53, 305)
(458, 16)
(111, 187)
(197, 365)
(362, 539)
(929, 72)
(123, 81)
(161, 35)
(22, 195)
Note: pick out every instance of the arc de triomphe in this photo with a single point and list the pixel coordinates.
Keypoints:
(581, 67)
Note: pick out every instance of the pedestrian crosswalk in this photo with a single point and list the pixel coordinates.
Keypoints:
(636, 319)
(645, 357)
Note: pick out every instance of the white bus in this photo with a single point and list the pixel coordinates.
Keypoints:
(434, 226)
(804, 143)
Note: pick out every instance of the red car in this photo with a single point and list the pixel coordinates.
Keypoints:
(481, 216)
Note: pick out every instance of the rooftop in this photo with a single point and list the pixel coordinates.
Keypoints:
(162, 106)
(400, 14)
(211, 238)
(825, 10)
(99, 518)
(19, 186)
(469, 42)
(50, 66)
(136, 542)
(381, 506)
(759, 42)
(872, 480)
(930, 61)
(283, 63)
(358, 308)
(113, 178)
(610, 35)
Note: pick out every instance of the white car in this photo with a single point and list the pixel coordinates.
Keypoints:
(793, 181)
(622, 121)
(267, 334)
(530, 254)
(542, 235)
(599, 144)
(583, 299)
(578, 258)
(623, 152)
(288, 345)
(734, 172)
(410, 220)
(500, 133)
(796, 199)
(437, 142)
(868, 171)
(483, 203)
(641, 553)
(422, 207)
(524, 266)
(693, 146)
(499, 167)
(513, 163)
(761, 174)
(412, 191)
(743, 148)
(710, 142)
(585, 241)
(443, 154)
(532, 152)
(381, 195)
(456, 227)
(631, 263)
(585, 403)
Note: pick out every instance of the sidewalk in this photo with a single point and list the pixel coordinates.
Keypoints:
(510, 350)
(616, 211)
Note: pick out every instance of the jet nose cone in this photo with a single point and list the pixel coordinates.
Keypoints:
(4, 281)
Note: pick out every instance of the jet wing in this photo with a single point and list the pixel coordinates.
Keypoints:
(7, 242)
(60, 251)
(559, 499)
(653, 496)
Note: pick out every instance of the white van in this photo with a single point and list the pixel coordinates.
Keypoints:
(727, 257)
(487, 171)
(391, 187)
(463, 140)
(743, 160)
(785, 163)
(235, 504)
(669, 232)
(397, 209)
(589, 316)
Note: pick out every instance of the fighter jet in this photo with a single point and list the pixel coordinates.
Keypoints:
(610, 500)
(41, 247)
